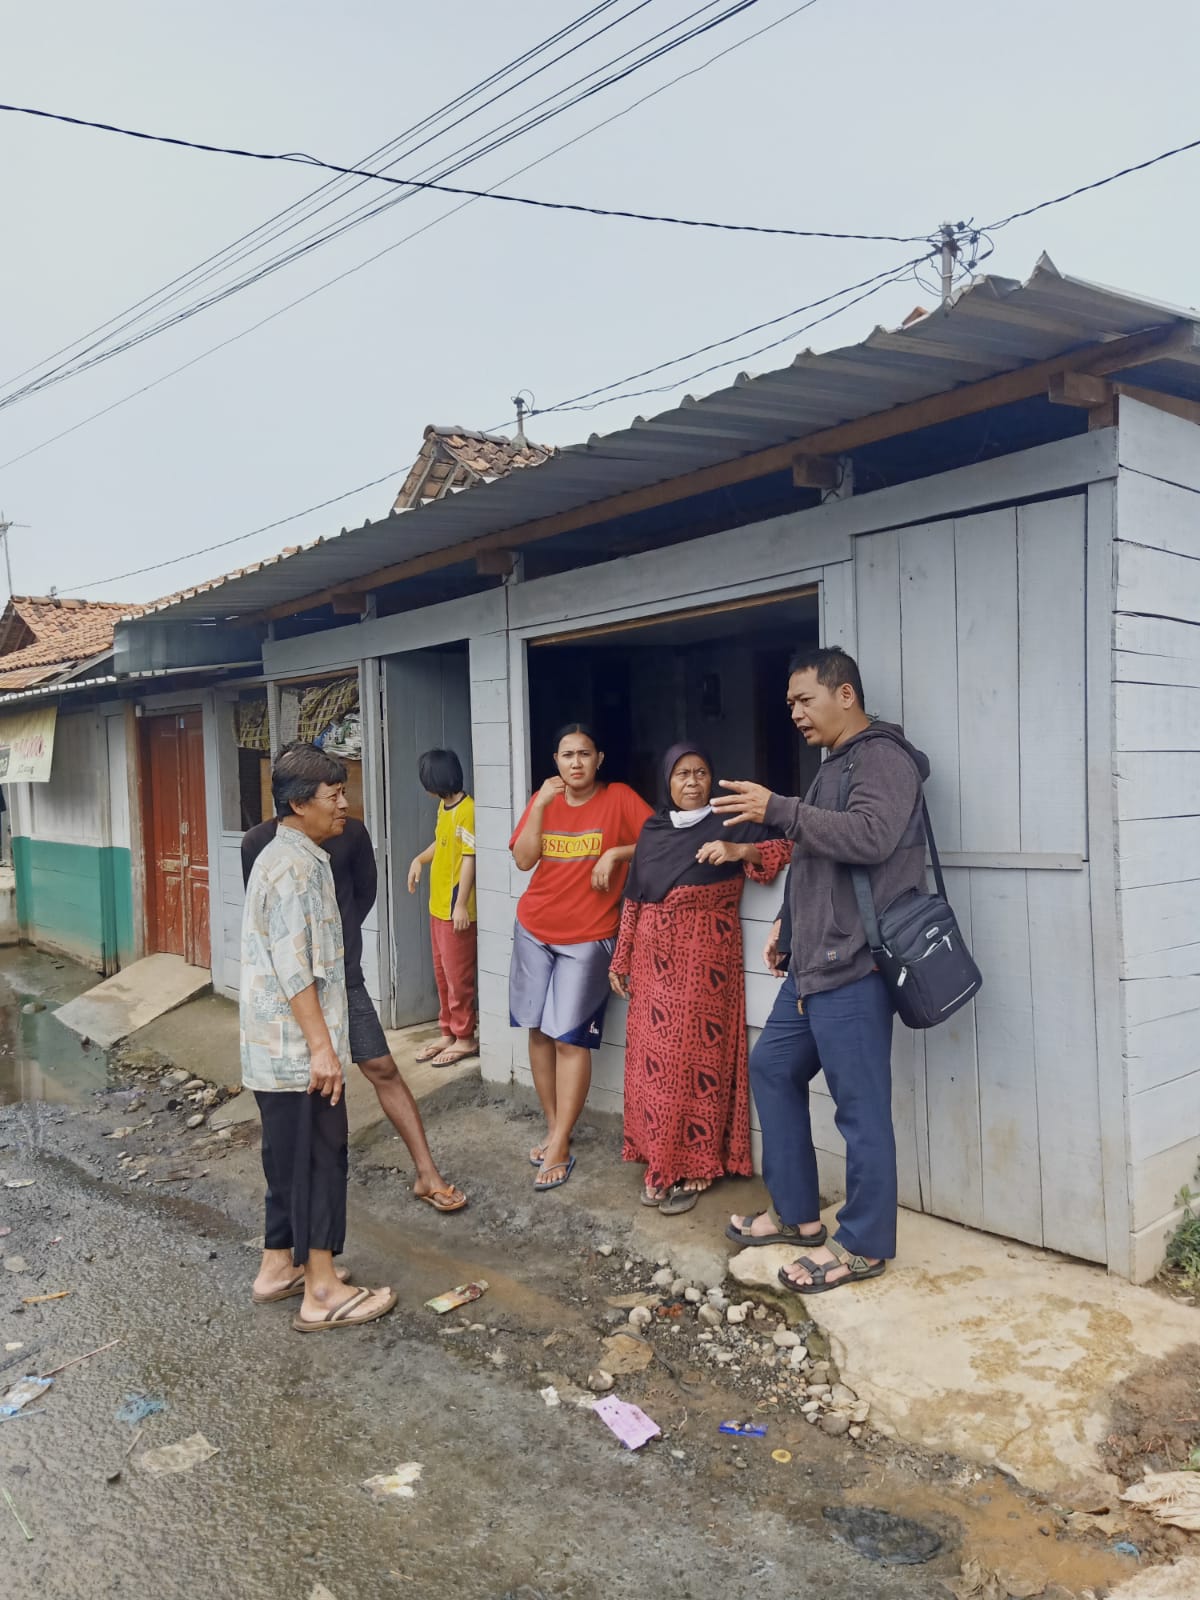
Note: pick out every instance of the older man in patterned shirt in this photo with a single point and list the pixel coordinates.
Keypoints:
(295, 1047)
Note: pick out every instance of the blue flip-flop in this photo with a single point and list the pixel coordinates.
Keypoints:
(569, 1164)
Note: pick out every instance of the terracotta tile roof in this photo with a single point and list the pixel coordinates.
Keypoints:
(38, 634)
(456, 458)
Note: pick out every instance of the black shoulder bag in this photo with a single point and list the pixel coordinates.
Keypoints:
(916, 941)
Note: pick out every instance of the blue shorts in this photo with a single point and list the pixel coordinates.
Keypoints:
(560, 988)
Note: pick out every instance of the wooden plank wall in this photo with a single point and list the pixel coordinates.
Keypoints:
(971, 632)
(1156, 773)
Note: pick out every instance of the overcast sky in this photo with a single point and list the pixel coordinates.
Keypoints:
(874, 116)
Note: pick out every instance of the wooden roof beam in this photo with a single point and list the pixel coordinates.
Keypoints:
(1113, 355)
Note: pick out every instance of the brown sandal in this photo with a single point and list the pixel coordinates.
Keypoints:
(343, 1316)
(448, 1199)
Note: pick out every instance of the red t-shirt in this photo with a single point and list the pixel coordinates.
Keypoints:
(560, 906)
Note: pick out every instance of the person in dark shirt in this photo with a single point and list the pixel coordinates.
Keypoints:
(355, 881)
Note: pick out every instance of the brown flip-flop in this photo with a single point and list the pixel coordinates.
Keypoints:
(294, 1288)
(448, 1199)
(450, 1057)
(343, 1316)
(423, 1057)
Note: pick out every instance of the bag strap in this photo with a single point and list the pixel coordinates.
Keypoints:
(861, 878)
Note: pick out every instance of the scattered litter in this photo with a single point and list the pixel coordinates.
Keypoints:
(1172, 1497)
(75, 1360)
(748, 1430)
(115, 1475)
(21, 1393)
(599, 1381)
(15, 1344)
(462, 1296)
(782, 1456)
(137, 1407)
(183, 1175)
(977, 1582)
(630, 1424)
(550, 1396)
(8, 1500)
(1123, 1547)
(16, 1264)
(4, 1232)
(396, 1485)
(18, 1183)
(119, 1133)
(181, 1457)
(57, 1239)
(320, 1592)
(880, 1536)
(625, 1352)
(40, 1299)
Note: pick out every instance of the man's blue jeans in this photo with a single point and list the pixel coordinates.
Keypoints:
(846, 1032)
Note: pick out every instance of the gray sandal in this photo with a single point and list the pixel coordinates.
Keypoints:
(679, 1200)
(788, 1234)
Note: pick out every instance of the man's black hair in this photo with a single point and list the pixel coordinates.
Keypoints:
(441, 773)
(833, 667)
(299, 771)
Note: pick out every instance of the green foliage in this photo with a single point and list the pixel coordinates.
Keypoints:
(1183, 1247)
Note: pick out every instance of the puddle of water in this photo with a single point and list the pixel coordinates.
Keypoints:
(41, 1059)
(1002, 1530)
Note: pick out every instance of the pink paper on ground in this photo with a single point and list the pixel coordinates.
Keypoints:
(630, 1424)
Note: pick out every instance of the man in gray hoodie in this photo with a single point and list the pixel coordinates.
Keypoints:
(833, 1011)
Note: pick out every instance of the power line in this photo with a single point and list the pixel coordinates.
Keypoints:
(225, 257)
(310, 294)
(468, 154)
(224, 544)
(1099, 183)
(873, 284)
(484, 194)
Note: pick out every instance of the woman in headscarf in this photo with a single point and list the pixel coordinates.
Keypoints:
(679, 962)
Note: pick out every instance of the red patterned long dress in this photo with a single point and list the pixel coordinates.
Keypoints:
(687, 1089)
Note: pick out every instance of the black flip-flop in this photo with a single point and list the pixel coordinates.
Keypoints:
(786, 1235)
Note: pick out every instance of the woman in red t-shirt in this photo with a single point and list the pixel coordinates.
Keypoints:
(578, 835)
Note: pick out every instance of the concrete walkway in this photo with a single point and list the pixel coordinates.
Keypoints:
(988, 1349)
(362, 1103)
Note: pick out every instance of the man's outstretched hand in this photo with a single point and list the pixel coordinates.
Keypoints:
(747, 802)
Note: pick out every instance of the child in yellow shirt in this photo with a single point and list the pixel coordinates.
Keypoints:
(451, 862)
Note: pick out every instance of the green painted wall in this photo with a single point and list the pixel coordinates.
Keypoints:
(76, 898)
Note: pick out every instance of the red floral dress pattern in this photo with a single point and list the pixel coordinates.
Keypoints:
(687, 1089)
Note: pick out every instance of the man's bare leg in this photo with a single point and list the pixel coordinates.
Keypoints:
(400, 1108)
(542, 1066)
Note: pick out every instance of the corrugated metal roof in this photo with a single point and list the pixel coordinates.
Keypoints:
(994, 326)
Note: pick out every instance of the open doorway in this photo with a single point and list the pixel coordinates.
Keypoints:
(427, 705)
(716, 674)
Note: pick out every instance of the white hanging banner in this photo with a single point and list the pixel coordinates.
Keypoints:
(27, 745)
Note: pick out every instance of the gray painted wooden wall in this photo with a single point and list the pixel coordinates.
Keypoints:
(1156, 766)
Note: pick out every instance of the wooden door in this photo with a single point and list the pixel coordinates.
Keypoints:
(176, 833)
(971, 632)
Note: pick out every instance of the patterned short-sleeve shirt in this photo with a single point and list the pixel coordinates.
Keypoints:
(291, 938)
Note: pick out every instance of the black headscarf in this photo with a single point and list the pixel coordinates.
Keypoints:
(665, 857)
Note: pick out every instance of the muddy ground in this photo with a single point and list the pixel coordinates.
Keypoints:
(147, 1223)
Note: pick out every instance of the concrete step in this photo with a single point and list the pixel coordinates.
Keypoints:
(128, 1001)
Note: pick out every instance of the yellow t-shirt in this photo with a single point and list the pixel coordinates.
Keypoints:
(453, 839)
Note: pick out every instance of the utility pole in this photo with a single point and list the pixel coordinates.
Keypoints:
(519, 438)
(5, 525)
(949, 238)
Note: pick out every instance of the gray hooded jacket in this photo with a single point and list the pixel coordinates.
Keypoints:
(880, 829)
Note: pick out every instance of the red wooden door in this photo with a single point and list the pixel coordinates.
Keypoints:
(176, 835)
